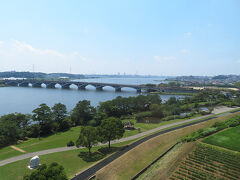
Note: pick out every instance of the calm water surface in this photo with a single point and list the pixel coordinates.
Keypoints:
(25, 99)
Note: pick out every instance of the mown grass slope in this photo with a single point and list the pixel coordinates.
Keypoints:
(229, 138)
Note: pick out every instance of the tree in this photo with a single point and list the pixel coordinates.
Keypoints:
(83, 113)
(87, 138)
(237, 84)
(44, 172)
(59, 112)
(156, 111)
(43, 116)
(13, 127)
(111, 129)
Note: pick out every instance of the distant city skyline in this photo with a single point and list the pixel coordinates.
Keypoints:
(155, 37)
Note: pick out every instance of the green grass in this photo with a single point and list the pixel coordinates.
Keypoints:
(70, 160)
(229, 139)
(53, 141)
(8, 152)
(35, 144)
(148, 126)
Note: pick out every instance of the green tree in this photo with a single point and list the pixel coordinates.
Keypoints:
(59, 112)
(156, 111)
(237, 84)
(44, 172)
(13, 127)
(87, 138)
(83, 113)
(111, 129)
(43, 115)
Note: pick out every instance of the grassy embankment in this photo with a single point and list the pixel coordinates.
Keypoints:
(229, 139)
(61, 139)
(165, 166)
(138, 158)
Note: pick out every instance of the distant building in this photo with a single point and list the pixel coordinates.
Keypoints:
(13, 78)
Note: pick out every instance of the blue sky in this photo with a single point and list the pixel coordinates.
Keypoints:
(171, 37)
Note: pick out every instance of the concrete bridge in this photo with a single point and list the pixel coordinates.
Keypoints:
(80, 85)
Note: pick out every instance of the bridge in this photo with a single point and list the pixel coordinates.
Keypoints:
(80, 85)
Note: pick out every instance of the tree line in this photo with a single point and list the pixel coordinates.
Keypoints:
(46, 120)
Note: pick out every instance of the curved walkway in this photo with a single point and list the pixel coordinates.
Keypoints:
(49, 151)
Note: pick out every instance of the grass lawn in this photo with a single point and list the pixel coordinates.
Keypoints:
(35, 144)
(8, 152)
(148, 126)
(73, 161)
(229, 138)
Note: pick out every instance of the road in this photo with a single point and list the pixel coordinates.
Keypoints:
(49, 151)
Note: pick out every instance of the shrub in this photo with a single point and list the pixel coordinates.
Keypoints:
(142, 115)
(192, 137)
(219, 125)
(208, 131)
(52, 171)
(234, 121)
(70, 143)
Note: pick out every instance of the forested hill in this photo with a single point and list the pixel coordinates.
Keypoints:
(15, 74)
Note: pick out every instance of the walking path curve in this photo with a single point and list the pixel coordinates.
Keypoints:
(49, 151)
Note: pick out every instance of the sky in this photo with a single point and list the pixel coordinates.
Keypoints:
(143, 37)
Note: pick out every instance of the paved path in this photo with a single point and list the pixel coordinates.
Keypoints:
(49, 151)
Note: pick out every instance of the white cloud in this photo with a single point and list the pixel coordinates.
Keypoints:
(184, 51)
(166, 58)
(188, 34)
(20, 56)
(1, 42)
(27, 48)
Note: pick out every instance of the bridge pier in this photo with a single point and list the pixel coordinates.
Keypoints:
(118, 89)
(81, 86)
(51, 85)
(37, 85)
(23, 84)
(139, 90)
(65, 86)
(99, 88)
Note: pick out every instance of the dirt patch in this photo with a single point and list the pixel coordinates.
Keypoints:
(18, 149)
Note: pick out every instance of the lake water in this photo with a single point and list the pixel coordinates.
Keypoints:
(25, 99)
